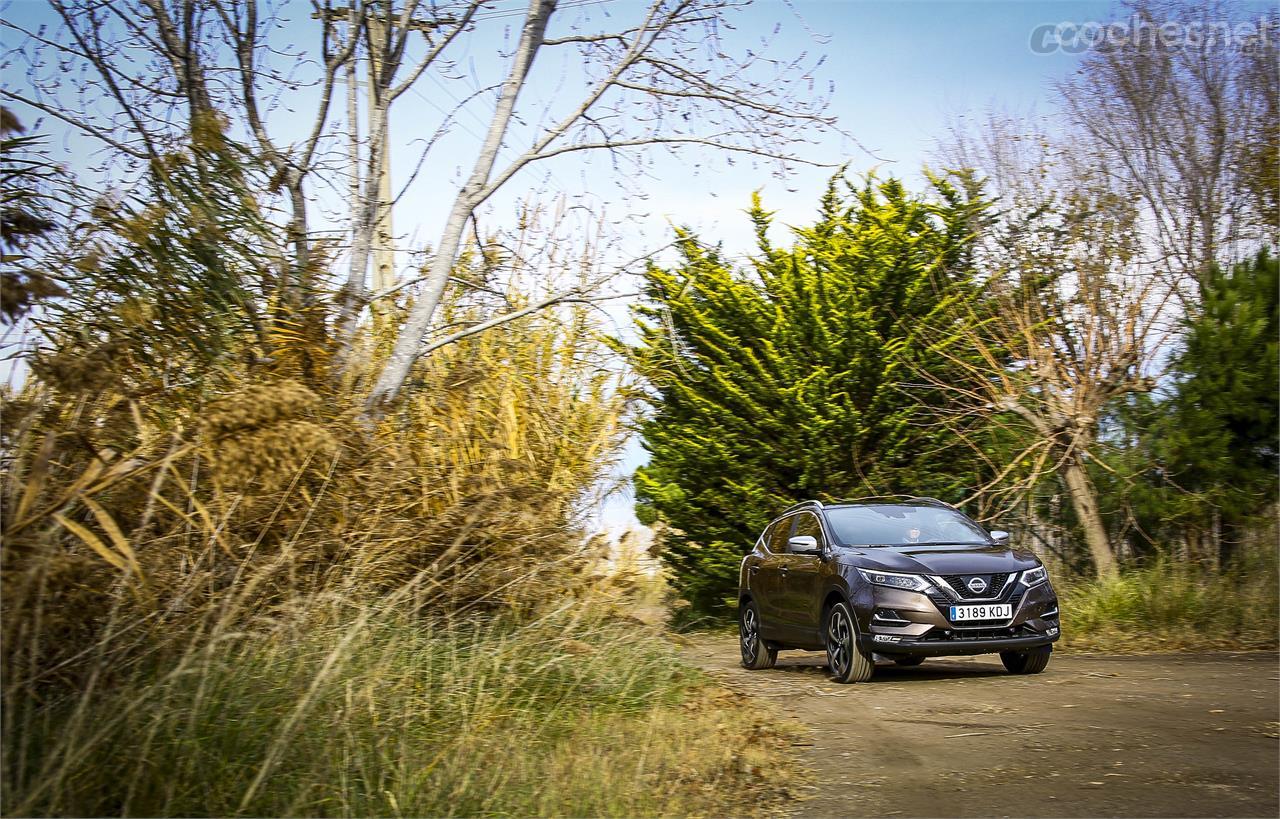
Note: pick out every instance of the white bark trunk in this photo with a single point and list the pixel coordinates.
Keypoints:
(366, 214)
(1085, 503)
(415, 328)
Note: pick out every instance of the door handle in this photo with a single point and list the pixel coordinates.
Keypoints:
(755, 569)
(783, 570)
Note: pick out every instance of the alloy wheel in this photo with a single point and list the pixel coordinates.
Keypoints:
(839, 641)
(749, 633)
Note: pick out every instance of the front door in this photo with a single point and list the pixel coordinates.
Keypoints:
(801, 582)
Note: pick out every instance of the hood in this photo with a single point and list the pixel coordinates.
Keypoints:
(922, 559)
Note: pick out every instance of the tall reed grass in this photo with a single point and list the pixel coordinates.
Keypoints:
(233, 600)
(364, 710)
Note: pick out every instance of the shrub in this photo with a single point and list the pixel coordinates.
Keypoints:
(1174, 605)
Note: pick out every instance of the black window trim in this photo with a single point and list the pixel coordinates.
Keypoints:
(822, 522)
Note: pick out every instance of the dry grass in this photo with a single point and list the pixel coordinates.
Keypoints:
(360, 710)
(244, 603)
(1172, 606)
(266, 489)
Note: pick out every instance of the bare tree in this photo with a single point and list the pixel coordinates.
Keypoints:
(1179, 124)
(1076, 319)
(156, 75)
(662, 80)
(387, 34)
(156, 71)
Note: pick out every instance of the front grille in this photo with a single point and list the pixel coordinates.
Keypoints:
(1010, 593)
(959, 584)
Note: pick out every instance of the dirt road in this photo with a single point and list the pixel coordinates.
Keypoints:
(1164, 735)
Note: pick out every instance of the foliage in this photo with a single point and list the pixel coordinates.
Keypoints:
(794, 378)
(1221, 439)
(170, 444)
(1204, 455)
(362, 709)
(26, 215)
(166, 289)
(474, 487)
(1174, 605)
(223, 595)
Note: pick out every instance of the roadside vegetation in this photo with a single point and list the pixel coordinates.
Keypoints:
(1173, 606)
(357, 710)
(227, 593)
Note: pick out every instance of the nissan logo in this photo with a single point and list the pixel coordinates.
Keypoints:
(977, 585)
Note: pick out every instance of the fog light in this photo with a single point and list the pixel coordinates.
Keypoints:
(888, 616)
(1053, 631)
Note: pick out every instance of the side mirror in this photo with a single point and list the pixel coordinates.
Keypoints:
(999, 536)
(803, 545)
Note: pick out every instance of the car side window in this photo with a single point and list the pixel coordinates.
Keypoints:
(765, 535)
(807, 524)
(778, 536)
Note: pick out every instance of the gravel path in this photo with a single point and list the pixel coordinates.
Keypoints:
(1094, 735)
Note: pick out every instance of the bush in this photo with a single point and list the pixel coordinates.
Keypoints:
(1176, 605)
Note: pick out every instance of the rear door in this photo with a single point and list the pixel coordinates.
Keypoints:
(767, 581)
(801, 579)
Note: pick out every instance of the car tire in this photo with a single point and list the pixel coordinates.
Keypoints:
(756, 653)
(847, 662)
(908, 661)
(1027, 662)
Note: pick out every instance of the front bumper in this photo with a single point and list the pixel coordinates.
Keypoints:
(898, 622)
(955, 647)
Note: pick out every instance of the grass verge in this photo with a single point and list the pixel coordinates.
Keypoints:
(1171, 606)
(375, 714)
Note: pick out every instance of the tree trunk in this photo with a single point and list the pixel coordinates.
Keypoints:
(1085, 504)
(298, 288)
(415, 328)
(1230, 539)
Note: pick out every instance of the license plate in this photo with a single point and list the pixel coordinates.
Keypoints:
(998, 611)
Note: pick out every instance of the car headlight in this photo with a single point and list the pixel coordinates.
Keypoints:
(894, 580)
(1034, 577)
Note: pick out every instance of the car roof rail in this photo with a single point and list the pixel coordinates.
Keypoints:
(801, 505)
(899, 497)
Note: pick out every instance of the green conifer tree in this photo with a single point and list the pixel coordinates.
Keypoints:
(1219, 442)
(793, 378)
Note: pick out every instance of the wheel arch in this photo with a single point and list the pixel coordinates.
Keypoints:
(833, 596)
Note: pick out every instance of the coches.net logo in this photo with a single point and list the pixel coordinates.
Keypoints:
(1144, 34)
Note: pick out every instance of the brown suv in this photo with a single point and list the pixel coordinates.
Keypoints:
(903, 578)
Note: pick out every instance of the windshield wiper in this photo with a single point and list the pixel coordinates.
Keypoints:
(951, 543)
(925, 543)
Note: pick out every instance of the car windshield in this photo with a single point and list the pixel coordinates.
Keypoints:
(892, 524)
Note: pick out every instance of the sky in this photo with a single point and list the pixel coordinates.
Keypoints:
(903, 71)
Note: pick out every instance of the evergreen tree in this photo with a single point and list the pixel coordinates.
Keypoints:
(1219, 443)
(792, 378)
